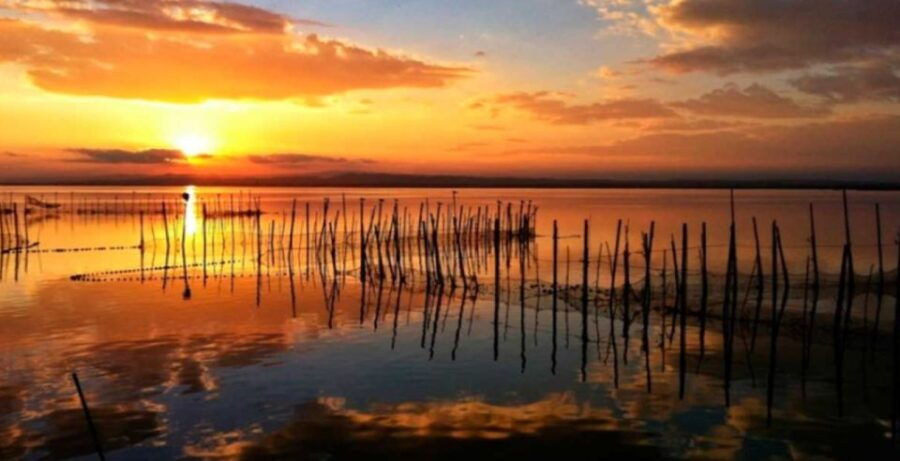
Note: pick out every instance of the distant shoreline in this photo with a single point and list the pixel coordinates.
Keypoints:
(874, 188)
(399, 181)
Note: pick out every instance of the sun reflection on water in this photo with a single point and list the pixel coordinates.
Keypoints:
(190, 216)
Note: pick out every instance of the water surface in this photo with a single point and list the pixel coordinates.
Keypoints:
(235, 340)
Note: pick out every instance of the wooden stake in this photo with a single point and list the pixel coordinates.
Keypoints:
(87, 416)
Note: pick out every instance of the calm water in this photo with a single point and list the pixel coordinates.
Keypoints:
(234, 340)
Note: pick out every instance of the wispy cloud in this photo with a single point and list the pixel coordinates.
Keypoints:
(553, 108)
(122, 156)
(297, 160)
(704, 124)
(466, 146)
(194, 16)
(872, 141)
(754, 101)
(489, 127)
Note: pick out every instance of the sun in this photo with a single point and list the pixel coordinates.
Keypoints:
(192, 145)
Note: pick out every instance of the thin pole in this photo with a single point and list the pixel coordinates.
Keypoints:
(555, 291)
(87, 416)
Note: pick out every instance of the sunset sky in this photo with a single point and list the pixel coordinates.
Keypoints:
(537, 88)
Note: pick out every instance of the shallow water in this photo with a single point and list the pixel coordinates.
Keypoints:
(254, 346)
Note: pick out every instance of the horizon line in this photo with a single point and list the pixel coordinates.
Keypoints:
(413, 181)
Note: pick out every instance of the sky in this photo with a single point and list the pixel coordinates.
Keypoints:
(588, 89)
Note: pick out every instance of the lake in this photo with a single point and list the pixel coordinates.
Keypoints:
(254, 324)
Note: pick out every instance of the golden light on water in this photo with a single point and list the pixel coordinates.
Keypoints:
(190, 215)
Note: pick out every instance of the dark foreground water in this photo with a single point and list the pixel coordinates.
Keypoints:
(235, 340)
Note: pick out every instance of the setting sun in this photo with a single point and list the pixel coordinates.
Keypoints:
(192, 145)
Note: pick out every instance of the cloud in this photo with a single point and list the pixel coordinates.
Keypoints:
(251, 55)
(754, 101)
(488, 127)
(550, 107)
(692, 125)
(772, 35)
(122, 156)
(466, 146)
(873, 81)
(194, 16)
(627, 18)
(871, 141)
(607, 73)
(296, 160)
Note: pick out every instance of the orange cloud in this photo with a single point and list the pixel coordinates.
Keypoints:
(755, 101)
(196, 16)
(296, 160)
(692, 125)
(550, 107)
(250, 56)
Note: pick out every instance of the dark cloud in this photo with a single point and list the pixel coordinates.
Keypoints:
(754, 101)
(291, 159)
(121, 156)
(551, 107)
(772, 35)
(874, 81)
